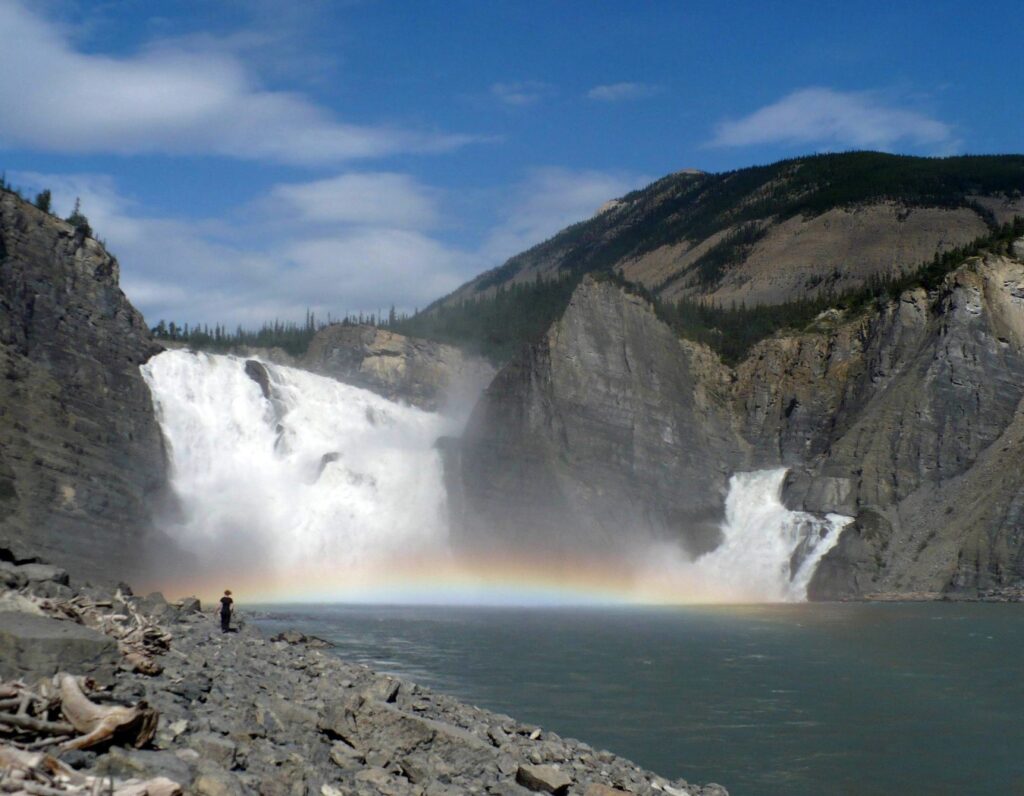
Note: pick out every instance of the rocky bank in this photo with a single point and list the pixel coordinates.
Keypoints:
(240, 713)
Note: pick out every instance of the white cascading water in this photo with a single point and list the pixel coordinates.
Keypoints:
(768, 550)
(324, 474)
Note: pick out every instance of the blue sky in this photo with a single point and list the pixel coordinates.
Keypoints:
(247, 160)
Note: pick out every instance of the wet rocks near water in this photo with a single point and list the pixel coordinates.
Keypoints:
(240, 714)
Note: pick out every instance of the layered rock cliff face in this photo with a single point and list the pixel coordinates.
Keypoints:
(908, 417)
(609, 428)
(427, 374)
(81, 456)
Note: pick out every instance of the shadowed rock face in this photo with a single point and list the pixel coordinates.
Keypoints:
(424, 373)
(909, 418)
(609, 428)
(81, 454)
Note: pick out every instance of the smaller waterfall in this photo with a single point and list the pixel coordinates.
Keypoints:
(768, 552)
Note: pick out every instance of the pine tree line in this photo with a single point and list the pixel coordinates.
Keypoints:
(287, 335)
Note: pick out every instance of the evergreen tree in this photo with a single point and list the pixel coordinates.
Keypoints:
(43, 199)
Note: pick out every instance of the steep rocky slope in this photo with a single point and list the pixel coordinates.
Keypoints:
(81, 456)
(907, 416)
(771, 234)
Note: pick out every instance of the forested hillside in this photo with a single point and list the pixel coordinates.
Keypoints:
(729, 258)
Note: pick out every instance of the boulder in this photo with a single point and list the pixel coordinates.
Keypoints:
(37, 573)
(38, 646)
(383, 690)
(11, 576)
(596, 789)
(544, 778)
(215, 748)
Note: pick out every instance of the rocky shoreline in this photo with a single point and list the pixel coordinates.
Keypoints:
(240, 713)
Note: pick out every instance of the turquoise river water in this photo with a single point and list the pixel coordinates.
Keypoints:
(800, 700)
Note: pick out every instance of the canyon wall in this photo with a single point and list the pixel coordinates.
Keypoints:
(906, 416)
(81, 456)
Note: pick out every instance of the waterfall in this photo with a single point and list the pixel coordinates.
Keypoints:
(282, 473)
(768, 551)
(319, 472)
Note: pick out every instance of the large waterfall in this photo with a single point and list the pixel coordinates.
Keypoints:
(320, 472)
(312, 480)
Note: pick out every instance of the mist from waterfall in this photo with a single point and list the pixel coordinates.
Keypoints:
(322, 472)
(322, 488)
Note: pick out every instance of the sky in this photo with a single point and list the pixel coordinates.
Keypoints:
(247, 161)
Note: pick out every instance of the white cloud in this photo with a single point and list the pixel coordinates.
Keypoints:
(549, 200)
(218, 272)
(618, 92)
(329, 245)
(824, 117)
(520, 94)
(382, 198)
(174, 97)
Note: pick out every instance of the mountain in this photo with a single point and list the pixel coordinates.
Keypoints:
(907, 414)
(766, 235)
(81, 455)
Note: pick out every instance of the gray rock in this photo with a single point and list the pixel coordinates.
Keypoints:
(215, 748)
(544, 778)
(127, 763)
(422, 372)
(11, 576)
(38, 646)
(587, 440)
(81, 455)
(384, 689)
(35, 573)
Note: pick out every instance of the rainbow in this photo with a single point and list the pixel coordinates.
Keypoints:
(477, 580)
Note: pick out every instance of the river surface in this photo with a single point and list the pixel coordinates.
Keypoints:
(783, 699)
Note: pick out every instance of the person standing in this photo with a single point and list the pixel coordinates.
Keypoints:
(225, 611)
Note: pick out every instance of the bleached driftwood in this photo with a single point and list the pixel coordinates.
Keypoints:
(139, 639)
(42, 775)
(101, 723)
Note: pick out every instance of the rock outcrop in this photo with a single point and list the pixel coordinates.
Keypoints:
(609, 428)
(424, 373)
(908, 416)
(81, 456)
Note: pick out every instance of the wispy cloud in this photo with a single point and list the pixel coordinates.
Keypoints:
(619, 92)
(178, 96)
(378, 198)
(548, 200)
(521, 94)
(351, 243)
(825, 117)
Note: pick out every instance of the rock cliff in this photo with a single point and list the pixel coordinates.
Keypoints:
(608, 428)
(81, 456)
(424, 373)
(907, 416)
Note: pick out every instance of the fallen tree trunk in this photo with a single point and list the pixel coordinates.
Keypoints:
(100, 723)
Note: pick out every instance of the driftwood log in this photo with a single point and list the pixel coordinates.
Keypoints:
(42, 775)
(100, 724)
